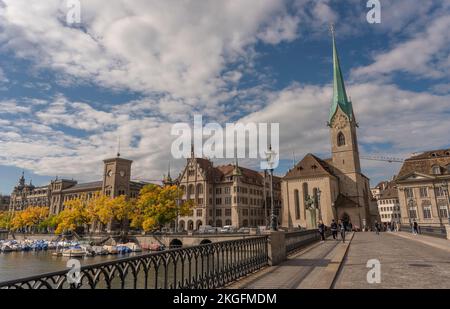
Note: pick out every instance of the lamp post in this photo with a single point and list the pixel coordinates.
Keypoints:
(270, 162)
(318, 203)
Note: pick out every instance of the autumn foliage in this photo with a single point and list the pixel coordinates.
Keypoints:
(155, 207)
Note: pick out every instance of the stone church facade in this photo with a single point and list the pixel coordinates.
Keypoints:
(333, 188)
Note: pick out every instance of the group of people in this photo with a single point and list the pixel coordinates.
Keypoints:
(335, 228)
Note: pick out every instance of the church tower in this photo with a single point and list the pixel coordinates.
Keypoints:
(342, 123)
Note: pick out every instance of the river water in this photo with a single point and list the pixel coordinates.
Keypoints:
(16, 265)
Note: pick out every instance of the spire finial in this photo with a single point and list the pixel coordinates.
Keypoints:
(192, 150)
(168, 172)
(332, 29)
(118, 147)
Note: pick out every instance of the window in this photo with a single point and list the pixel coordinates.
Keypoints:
(443, 212)
(228, 222)
(424, 192)
(199, 188)
(245, 212)
(199, 212)
(218, 212)
(341, 139)
(218, 190)
(199, 201)
(427, 212)
(439, 191)
(436, 170)
(218, 201)
(228, 212)
(412, 212)
(227, 190)
(297, 204)
(228, 200)
(409, 192)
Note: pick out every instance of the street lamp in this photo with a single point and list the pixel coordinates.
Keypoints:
(270, 163)
(318, 203)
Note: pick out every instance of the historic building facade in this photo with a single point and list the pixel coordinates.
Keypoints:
(386, 195)
(116, 181)
(225, 195)
(423, 186)
(4, 202)
(334, 188)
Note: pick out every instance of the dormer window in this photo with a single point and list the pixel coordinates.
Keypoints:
(436, 170)
(340, 139)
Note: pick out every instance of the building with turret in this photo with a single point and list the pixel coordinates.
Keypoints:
(116, 181)
(225, 195)
(334, 188)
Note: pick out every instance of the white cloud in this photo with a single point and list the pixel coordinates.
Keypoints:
(425, 55)
(146, 46)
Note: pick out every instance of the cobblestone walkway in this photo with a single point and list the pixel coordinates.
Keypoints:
(405, 263)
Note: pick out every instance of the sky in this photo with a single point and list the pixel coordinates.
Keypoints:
(132, 68)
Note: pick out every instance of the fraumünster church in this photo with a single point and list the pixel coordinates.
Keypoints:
(333, 188)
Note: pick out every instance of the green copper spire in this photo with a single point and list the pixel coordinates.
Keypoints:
(339, 95)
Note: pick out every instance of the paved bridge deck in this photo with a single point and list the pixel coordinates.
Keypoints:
(407, 261)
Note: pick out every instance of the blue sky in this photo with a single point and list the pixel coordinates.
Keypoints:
(134, 68)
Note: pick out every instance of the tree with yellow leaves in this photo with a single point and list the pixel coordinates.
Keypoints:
(74, 215)
(158, 206)
(107, 210)
(29, 219)
(6, 220)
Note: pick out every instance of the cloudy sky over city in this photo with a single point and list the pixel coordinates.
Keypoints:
(133, 68)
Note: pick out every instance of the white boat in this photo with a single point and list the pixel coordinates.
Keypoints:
(6, 248)
(74, 252)
(111, 249)
(100, 250)
(134, 247)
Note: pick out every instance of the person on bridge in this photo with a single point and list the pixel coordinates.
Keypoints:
(416, 228)
(377, 228)
(342, 229)
(334, 229)
(322, 230)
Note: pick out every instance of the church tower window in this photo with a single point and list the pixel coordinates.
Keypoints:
(340, 139)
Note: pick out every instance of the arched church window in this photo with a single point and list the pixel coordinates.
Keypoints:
(297, 204)
(341, 139)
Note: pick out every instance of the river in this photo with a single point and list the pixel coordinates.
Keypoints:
(16, 265)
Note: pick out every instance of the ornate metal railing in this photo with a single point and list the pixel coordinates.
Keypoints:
(299, 239)
(201, 267)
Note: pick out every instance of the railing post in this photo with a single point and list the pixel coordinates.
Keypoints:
(276, 247)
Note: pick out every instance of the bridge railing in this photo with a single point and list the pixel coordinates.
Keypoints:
(202, 267)
(299, 239)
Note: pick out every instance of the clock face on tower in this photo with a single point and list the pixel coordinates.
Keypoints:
(122, 173)
(341, 122)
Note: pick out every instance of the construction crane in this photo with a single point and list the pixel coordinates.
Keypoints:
(382, 158)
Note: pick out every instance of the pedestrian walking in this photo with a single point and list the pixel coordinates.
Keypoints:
(416, 228)
(334, 229)
(342, 230)
(322, 230)
(377, 228)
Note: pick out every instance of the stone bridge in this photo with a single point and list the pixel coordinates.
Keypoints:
(185, 240)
